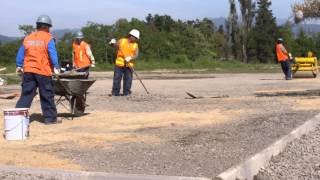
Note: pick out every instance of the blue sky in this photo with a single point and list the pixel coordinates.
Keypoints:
(76, 13)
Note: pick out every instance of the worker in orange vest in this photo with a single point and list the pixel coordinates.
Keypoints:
(283, 59)
(82, 55)
(127, 52)
(37, 59)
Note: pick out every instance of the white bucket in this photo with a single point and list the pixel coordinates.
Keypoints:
(16, 124)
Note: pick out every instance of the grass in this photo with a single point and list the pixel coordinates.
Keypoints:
(230, 66)
(214, 66)
(12, 80)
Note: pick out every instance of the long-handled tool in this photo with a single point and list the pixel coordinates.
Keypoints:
(81, 68)
(132, 69)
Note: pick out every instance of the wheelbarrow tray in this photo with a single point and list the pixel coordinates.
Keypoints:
(73, 75)
(72, 87)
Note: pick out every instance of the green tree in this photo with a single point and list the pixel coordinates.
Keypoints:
(26, 29)
(247, 8)
(233, 30)
(64, 47)
(305, 43)
(264, 33)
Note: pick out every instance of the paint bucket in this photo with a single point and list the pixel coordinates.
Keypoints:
(16, 124)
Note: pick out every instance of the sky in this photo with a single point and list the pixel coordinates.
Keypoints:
(76, 13)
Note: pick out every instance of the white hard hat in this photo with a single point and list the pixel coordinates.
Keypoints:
(113, 41)
(135, 33)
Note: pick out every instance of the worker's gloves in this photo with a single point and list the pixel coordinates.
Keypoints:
(290, 56)
(19, 70)
(56, 70)
(93, 65)
(128, 59)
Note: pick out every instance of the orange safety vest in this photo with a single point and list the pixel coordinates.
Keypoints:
(126, 49)
(281, 55)
(36, 58)
(81, 59)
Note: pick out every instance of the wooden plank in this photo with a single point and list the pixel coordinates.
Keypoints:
(205, 97)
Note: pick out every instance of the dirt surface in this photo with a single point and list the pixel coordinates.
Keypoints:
(167, 133)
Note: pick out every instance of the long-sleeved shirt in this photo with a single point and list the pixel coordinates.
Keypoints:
(52, 54)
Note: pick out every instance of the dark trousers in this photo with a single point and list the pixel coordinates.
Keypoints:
(286, 68)
(120, 72)
(30, 84)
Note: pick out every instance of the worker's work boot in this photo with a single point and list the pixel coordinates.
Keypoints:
(54, 121)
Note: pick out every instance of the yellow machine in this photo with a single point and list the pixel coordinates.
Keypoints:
(306, 64)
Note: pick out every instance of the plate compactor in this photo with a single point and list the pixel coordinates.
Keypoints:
(305, 64)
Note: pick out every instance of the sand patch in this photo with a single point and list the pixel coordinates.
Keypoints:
(23, 157)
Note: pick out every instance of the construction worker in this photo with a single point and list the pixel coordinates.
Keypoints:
(128, 51)
(283, 59)
(310, 54)
(82, 55)
(37, 59)
(113, 43)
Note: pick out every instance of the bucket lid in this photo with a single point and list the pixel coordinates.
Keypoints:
(16, 109)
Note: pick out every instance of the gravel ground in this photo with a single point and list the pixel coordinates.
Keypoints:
(300, 160)
(5, 175)
(251, 123)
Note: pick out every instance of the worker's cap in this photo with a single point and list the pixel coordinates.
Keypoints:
(44, 19)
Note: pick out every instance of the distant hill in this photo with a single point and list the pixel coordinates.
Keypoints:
(57, 33)
(5, 39)
(308, 28)
(219, 21)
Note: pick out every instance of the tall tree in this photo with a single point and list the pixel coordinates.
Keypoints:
(233, 29)
(247, 8)
(264, 32)
(26, 29)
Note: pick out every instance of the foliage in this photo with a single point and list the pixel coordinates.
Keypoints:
(247, 8)
(233, 32)
(169, 43)
(26, 29)
(263, 35)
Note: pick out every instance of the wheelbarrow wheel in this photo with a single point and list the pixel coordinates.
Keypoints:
(78, 105)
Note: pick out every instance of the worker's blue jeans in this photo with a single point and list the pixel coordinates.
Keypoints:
(120, 72)
(30, 84)
(286, 68)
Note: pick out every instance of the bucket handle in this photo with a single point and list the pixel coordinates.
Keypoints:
(21, 122)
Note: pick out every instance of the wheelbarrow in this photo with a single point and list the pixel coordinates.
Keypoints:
(74, 91)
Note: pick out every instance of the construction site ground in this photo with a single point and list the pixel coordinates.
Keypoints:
(166, 132)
